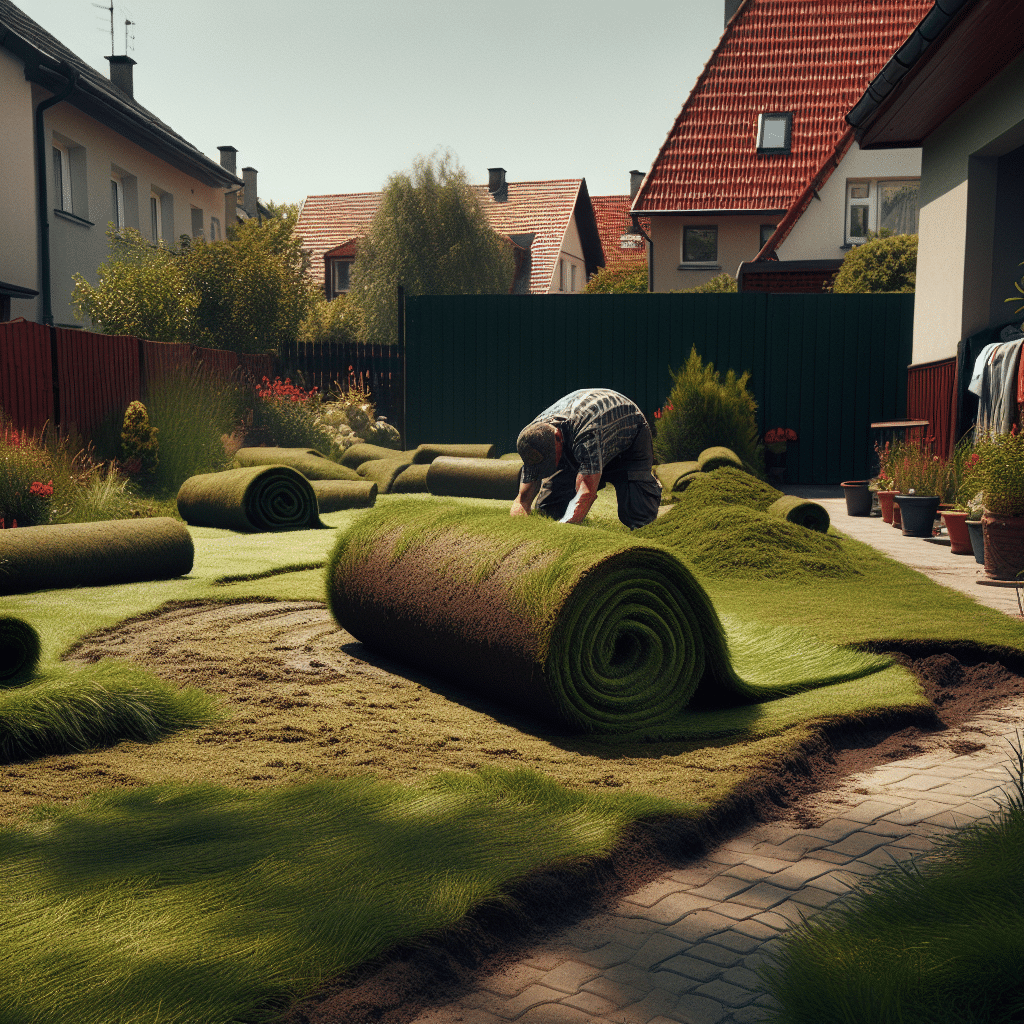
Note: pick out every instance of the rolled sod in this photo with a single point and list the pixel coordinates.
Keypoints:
(313, 465)
(429, 452)
(474, 478)
(19, 651)
(412, 480)
(93, 554)
(336, 495)
(716, 458)
(804, 513)
(384, 472)
(355, 455)
(589, 630)
(256, 499)
(676, 476)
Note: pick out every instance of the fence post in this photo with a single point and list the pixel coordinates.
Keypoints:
(54, 374)
(400, 297)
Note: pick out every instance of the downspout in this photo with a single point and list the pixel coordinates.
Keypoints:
(650, 252)
(42, 191)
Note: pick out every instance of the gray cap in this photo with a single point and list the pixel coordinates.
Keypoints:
(536, 447)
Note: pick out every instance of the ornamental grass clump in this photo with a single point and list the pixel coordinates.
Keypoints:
(916, 469)
(704, 411)
(999, 472)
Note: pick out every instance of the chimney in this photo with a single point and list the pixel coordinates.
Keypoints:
(121, 74)
(496, 184)
(731, 6)
(249, 177)
(635, 180)
(227, 158)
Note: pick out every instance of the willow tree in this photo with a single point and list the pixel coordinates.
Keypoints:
(431, 236)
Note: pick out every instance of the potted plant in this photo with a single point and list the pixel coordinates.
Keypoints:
(858, 497)
(1000, 474)
(921, 479)
(961, 491)
(885, 485)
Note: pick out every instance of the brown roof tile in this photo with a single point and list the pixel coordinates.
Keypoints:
(612, 214)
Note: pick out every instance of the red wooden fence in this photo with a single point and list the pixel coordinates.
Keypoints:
(931, 396)
(96, 374)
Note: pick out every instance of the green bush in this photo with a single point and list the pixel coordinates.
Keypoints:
(336, 320)
(703, 411)
(886, 264)
(288, 416)
(139, 444)
(721, 284)
(26, 480)
(618, 280)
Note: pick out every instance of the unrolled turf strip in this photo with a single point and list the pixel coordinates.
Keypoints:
(429, 452)
(93, 554)
(336, 495)
(256, 499)
(675, 476)
(384, 472)
(412, 480)
(313, 465)
(19, 650)
(474, 478)
(592, 631)
(355, 455)
(802, 512)
(717, 457)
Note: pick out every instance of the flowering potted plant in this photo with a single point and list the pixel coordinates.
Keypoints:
(885, 484)
(961, 491)
(921, 478)
(1000, 474)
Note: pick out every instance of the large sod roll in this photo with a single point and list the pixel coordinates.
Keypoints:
(676, 476)
(804, 513)
(429, 452)
(355, 455)
(412, 480)
(308, 461)
(19, 651)
(474, 478)
(591, 631)
(257, 499)
(93, 554)
(337, 495)
(384, 472)
(716, 457)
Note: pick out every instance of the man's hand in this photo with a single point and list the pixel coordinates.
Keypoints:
(524, 500)
(586, 495)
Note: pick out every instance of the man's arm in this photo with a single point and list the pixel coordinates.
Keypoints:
(586, 494)
(524, 500)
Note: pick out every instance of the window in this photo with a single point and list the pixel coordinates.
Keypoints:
(156, 225)
(340, 277)
(214, 229)
(774, 132)
(767, 230)
(197, 223)
(572, 277)
(889, 207)
(117, 203)
(700, 245)
(61, 179)
(561, 275)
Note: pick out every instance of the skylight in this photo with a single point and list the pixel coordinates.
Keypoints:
(774, 131)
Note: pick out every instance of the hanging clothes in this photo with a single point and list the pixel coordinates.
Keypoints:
(997, 395)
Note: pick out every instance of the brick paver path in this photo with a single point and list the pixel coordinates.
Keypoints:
(685, 948)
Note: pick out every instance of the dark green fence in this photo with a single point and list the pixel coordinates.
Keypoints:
(480, 367)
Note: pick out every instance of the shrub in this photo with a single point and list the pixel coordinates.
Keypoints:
(618, 280)
(289, 416)
(139, 445)
(722, 284)
(999, 472)
(882, 265)
(336, 320)
(26, 480)
(702, 411)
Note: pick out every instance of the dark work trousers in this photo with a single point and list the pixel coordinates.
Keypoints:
(631, 473)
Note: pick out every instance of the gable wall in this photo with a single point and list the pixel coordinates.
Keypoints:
(738, 241)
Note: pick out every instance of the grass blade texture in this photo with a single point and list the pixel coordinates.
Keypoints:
(19, 650)
(335, 495)
(93, 554)
(313, 465)
(591, 630)
(429, 452)
(255, 499)
(450, 476)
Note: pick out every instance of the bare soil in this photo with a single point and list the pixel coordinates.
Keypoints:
(306, 699)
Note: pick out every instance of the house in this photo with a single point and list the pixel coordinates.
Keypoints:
(760, 162)
(956, 89)
(623, 245)
(81, 153)
(550, 223)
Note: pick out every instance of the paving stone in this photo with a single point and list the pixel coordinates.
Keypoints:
(714, 953)
(672, 908)
(458, 1013)
(691, 967)
(890, 829)
(736, 911)
(656, 949)
(921, 782)
(800, 873)
(652, 893)
(640, 979)
(512, 981)
(570, 976)
(744, 977)
(721, 888)
(694, 1009)
(544, 960)
(695, 874)
(858, 844)
(616, 993)
(590, 1002)
(872, 810)
(763, 896)
(748, 1015)
(729, 995)
(561, 1013)
(756, 860)
(919, 844)
(699, 926)
(835, 830)
(814, 897)
(736, 940)
(643, 1011)
(745, 871)
(775, 852)
(834, 883)
(886, 856)
(534, 995)
(832, 858)
(756, 929)
(918, 811)
(607, 956)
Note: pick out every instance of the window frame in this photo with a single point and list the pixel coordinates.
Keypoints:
(872, 204)
(117, 202)
(772, 116)
(64, 197)
(701, 264)
(156, 219)
(335, 265)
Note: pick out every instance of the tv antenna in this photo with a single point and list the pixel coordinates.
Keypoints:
(104, 7)
(128, 23)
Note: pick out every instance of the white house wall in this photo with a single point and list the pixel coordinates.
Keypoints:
(971, 240)
(820, 234)
(571, 254)
(18, 233)
(738, 241)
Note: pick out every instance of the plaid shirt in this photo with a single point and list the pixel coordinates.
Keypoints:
(596, 425)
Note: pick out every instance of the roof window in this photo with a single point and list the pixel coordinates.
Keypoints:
(774, 131)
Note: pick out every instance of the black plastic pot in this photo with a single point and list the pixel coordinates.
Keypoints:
(858, 497)
(917, 513)
(974, 528)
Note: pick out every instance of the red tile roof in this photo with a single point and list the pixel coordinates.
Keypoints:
(541, 208)
(612, 213)
(813, 59)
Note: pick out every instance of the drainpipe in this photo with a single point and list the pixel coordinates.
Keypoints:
(42, 191)
(650, 252)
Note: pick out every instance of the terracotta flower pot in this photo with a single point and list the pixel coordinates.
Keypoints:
(917, 513)
(885, 504)
(897, 519)
(858, 497)
(959, 537)
(1004, 546)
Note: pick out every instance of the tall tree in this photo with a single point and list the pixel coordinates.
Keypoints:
(431, 236)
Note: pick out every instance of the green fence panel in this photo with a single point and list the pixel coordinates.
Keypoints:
(479, 367)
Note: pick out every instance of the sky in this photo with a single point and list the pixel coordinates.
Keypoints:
(333, 96)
